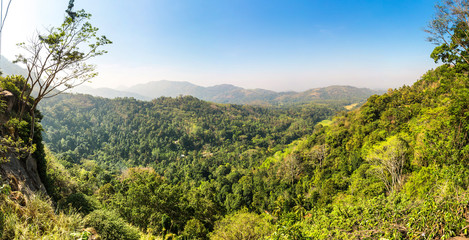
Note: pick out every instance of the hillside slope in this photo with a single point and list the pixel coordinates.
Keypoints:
(395, 168)
(25, 210)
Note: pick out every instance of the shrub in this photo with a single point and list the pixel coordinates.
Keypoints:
(80, 202)
(241, 225)
(111, 226)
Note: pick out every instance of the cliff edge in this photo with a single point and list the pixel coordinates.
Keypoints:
(19, 171)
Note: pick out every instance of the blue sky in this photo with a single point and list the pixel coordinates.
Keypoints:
(273, 44)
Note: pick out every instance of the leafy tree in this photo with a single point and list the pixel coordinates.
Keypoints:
(242, 225)
(156, 200)
(450, 31)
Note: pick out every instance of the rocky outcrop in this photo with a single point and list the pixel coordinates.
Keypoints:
(9, 98)
(21, 173)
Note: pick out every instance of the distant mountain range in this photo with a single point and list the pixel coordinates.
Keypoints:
(224, 93)
(108, 92)
(9, 68)
(227, 93)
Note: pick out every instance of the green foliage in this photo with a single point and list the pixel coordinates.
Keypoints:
(365, 183)
(242, 225)
(449, 30)
(60, 182)
(162, 131)
(5, 189)
(80, 203)
(57, 60)
(194, 229)
(380, 217)
(13, 84)
(10, 146)
(110, 226)
(433, 180)
(381, 171)
(156, 200)
(3, 106)
(202, 154)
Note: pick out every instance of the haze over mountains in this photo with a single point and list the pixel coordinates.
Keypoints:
(9, 68)
(224, 93)
(227, 93)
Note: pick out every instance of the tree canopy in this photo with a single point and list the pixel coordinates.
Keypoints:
(449, 29)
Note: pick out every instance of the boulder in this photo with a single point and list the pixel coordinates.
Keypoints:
(9, 99)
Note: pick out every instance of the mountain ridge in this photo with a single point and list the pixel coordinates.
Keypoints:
(9, 68)
(228, 93)
(221, 93)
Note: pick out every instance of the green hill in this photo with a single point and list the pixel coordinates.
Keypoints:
(394, 168)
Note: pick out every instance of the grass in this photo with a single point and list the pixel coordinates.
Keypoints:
(36, 219)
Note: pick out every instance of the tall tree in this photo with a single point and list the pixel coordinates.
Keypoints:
(56, 61)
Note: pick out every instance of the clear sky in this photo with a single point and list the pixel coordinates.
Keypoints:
(273, 44)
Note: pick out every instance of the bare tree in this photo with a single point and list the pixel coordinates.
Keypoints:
(449, 29)
(388, 159)
(290, 168)
(318, 154)
(56, 61)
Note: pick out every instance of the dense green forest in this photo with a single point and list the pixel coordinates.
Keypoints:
(126, 132)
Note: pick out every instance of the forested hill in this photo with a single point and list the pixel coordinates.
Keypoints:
(128, 132)
(226, 93)
(395, 168)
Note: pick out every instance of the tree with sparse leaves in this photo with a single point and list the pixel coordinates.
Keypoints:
(388, 159)
(57, 61)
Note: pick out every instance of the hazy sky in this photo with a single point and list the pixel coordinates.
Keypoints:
(272, 44)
